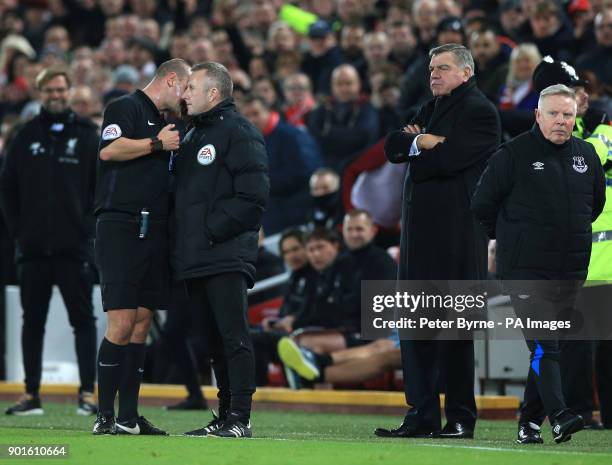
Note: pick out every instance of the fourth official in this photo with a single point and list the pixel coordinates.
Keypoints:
(221, 192)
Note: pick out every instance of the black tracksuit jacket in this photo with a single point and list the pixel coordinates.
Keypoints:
(47, 184)
(539, 200)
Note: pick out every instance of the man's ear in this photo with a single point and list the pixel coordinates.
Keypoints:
(171, 79)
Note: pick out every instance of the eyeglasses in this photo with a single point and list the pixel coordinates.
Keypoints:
(604, 26)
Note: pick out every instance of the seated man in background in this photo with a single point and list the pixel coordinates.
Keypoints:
(296, 298)
(337, 302)
(354, 365)
(325, 194)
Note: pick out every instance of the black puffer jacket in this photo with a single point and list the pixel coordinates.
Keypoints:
(539, 199)
(221, 192)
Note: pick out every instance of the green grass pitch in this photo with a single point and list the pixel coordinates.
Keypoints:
(290, 438)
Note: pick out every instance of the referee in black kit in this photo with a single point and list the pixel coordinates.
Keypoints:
(132, 238)
(220, 195)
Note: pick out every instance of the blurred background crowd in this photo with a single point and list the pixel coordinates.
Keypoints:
(324, 80)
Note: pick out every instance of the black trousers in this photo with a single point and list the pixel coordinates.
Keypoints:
(543, 391)
(425, 364)
(223, 300)
(74, 278)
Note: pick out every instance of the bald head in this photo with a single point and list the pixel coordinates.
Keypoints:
(346, 84)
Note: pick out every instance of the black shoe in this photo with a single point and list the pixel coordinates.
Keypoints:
(140, 426)
(564, 425)
(212, 426)
(456, 431)
(191, 403)
(87, 404)
(405, 430)
(233, 428)
(529, 433)
(593, 425)
(27, 405)
(104, 425)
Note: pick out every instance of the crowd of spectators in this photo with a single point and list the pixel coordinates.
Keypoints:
(324, 80)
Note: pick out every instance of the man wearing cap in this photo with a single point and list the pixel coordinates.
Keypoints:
(446, 147)
(322, 58)
(594, 127)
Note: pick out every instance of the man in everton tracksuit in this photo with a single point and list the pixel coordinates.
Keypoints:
(538, 197)
(592, 126)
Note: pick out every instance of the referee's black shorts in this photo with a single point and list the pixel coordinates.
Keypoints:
(134, 272)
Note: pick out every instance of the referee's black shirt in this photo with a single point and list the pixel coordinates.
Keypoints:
(129, 186)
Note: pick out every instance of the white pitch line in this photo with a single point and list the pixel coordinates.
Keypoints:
(507, 449)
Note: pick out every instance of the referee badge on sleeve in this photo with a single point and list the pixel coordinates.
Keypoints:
(111, 132)
(207, 154)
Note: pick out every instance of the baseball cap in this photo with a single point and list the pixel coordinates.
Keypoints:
(450, 23)
(319, 29)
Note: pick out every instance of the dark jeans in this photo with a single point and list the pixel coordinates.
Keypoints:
(74, 278)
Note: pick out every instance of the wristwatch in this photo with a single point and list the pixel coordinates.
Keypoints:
(156, 144)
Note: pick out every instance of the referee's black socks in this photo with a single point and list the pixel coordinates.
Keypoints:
(130, 383)
(110, 372)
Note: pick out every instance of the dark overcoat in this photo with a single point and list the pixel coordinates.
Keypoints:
(441, 239)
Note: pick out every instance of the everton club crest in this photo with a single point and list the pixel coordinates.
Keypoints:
(579, 164)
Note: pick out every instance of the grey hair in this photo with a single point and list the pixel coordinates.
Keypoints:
(556, 89)
(219, 75)
(462, 55)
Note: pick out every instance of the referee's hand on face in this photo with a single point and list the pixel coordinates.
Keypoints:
(169, 137)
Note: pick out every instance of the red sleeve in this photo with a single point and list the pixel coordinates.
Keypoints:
(369, 160)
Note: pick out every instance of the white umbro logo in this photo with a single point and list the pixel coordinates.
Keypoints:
(538, 165)
(150, 123)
